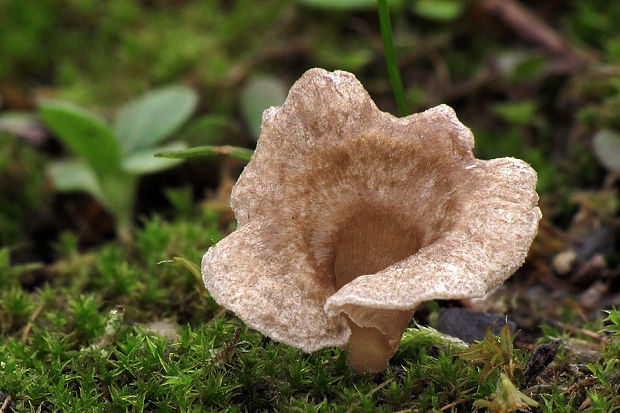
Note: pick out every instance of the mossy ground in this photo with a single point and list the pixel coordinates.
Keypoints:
(113, 330)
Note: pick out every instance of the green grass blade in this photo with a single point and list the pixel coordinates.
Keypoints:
(390, 56)
(209, 151)
(348, 5)
(190, 266)
(143, 162)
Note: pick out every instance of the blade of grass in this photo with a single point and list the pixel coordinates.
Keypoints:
(187, 264)
(390, 56)
(193, 268)
(208, 151)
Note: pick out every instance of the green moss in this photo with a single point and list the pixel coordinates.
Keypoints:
(82, 354)
(86, 341)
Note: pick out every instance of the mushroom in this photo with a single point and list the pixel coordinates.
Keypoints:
(348, 218)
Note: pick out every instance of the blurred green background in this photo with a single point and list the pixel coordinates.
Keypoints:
(537, 82)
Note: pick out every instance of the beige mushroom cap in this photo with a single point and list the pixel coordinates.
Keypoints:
(348, 218)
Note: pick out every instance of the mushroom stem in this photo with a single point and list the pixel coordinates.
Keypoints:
(368, 349)
(371, 347)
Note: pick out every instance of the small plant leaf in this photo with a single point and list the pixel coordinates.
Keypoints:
(516, 113)
(346, 4)
(22, 124)
(607, 149)
(154, 116)
(144, 161)
(4, 259)
(207, 151)
(425, 337)
(614, 321)
(492, 352)
(84, 134)
(211, 129)
(439, 10)
(71, 176)
(258, 94)
(506, 399)
(115, 190)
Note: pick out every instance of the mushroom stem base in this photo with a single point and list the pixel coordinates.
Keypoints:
(368, 350)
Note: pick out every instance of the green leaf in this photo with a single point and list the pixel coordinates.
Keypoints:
(154, 116)
(614, 321)
(75, 176)
(4, 259)
(14, 121)
(516, 113)
(607, 149)
(243, 154)
(21, 123)
(347, 4)
(144, 161)
(120, 192)
(420, 337)
(115, 191)
(84, 134)
(529, 68)
(492, 352)
(211, 129)
(438, 10)
(351, 60)
(258, 94)
(507, 398)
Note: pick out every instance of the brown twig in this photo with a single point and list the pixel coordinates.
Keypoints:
(450, 405)
(529, 26)
(5, 405)
(556, 232)
(225, 354)
(31, 322)
(538, 388)
(575, 330)
(611, 179)
(576, 386)
(586, 404)
(220, 314)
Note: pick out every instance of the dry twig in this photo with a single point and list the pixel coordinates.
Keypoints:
(529, 26)
(451, 405)
(587, 382)
(574, 330)
(5, 405)
(31, 321)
